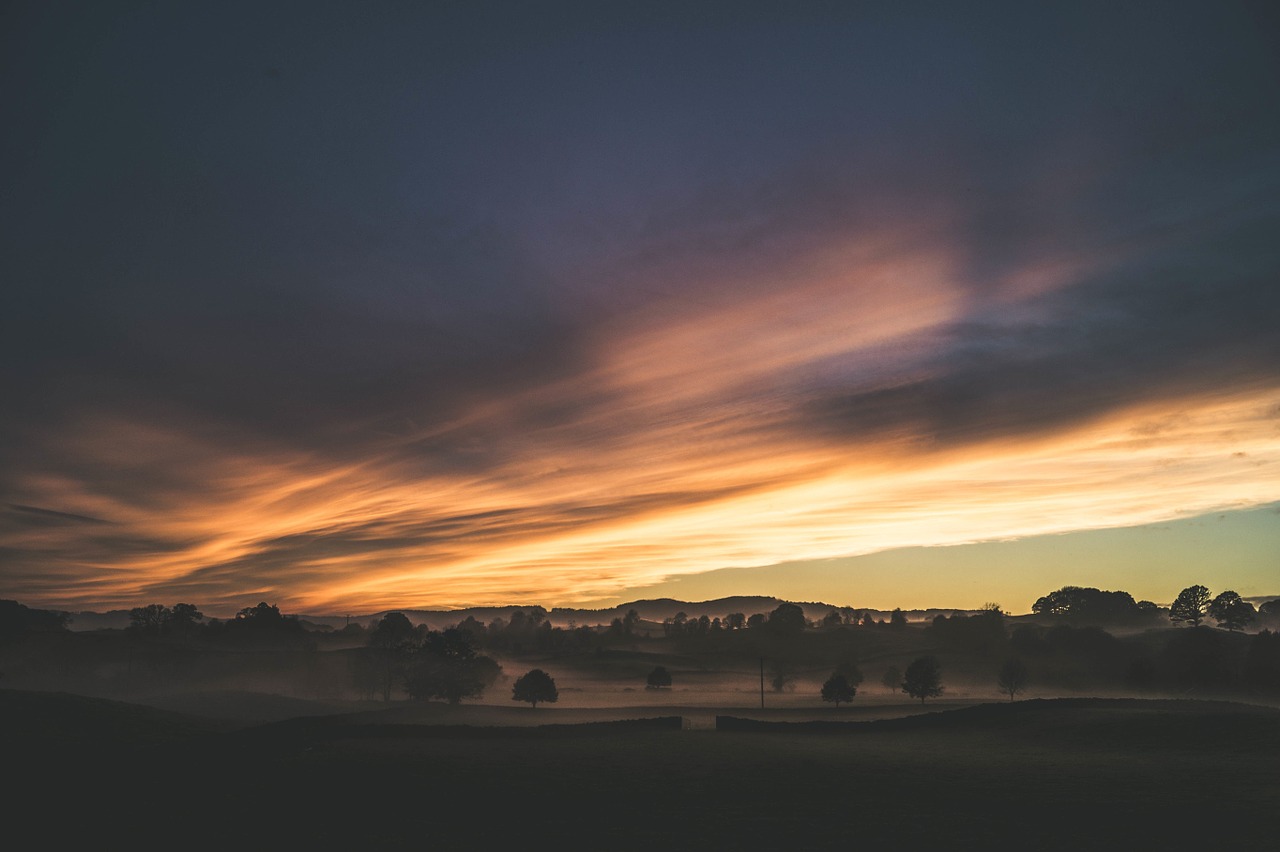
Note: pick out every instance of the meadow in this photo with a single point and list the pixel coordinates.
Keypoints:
(1064, 773)
(116, 738)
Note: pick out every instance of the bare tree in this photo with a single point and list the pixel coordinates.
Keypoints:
(1012, 677)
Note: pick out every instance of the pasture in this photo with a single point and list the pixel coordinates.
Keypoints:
(1039, 774)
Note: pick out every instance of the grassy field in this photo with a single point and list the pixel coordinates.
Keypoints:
(1040, 774)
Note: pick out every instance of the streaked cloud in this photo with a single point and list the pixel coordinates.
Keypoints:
(476, 325)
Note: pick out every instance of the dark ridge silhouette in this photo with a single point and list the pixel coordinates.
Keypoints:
(62, 721)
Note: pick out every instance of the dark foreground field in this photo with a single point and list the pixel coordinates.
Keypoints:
(1037, 774)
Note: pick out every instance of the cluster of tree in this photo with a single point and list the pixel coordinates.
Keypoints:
(681, 624)
(529, 631)
(859, 618)
(787, 619)
(155, 620)
(445, 664)
(843, 684)
(625, 628)
(439, 664)
(1231, 611)
(1072, 657)
(1083, 605)
(261, 625)
(1087, 605)
(1198, 660)
(922, 679)
(983, 633)
(1201, 659)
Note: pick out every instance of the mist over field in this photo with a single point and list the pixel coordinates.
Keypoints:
(396, 733)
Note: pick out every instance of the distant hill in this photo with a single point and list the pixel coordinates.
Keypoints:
(655, 610)
(116, 619)
(59, 720)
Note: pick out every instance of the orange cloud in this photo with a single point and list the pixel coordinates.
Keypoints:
(680, 445)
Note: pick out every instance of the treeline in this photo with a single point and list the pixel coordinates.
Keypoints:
(1076, 639)
(1071, 643)
(1193, 605)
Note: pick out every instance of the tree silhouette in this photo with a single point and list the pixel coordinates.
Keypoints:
(1200, 658)
(897, 618)
(534, 686)
(185, 618)
(784, 676)
(786, 620)
(447, 666)
(837, 689)
(391, 640)
(892, 678)
(1262, 662)
(849, 670)
(658, 678)
(1012, 677)
(263, 614)
(149, 620)
(1087, 605)
(923, 678)
(1231, 611)
(1190, 606)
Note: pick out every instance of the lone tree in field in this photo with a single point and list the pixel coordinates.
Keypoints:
(534, 686)
(1012, 678)
(658, 678)
(1190, 606)
(923, 678)
(838, 689)
(849, 670)
(892, 678)
(1232, 611)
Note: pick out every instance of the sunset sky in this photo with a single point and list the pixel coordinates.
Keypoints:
(359, 306)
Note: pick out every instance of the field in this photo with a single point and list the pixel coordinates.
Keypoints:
(1061, 773)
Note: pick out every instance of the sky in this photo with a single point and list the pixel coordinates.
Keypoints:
(361, 306)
